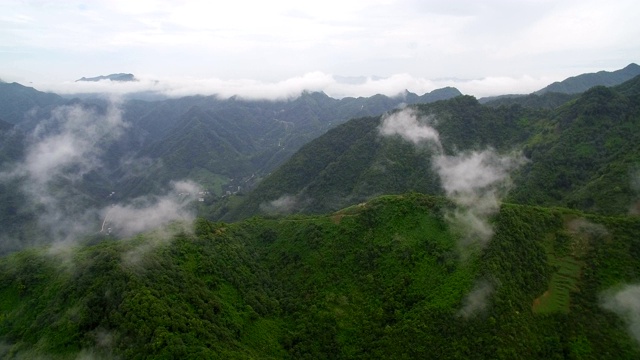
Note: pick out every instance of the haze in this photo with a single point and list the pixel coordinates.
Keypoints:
(345, 48)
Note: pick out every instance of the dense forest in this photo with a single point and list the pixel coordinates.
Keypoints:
(383, 279)
(582, 154)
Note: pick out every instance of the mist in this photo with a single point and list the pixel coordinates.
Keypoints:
(333, 85)
(61, 150)
(285, 204)
(625, 303)
(150, 212)
(475, 181)
(477, 301)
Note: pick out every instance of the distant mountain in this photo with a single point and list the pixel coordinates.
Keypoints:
(17, 100)
(252, 137)
(582, 154)
(112, 77)
(548, 100)
(582, 83)
(225, 145)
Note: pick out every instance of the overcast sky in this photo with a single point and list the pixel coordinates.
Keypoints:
(279, 48)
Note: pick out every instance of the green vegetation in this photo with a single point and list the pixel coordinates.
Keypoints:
(584, 154)
(382, 279)
(583, 82)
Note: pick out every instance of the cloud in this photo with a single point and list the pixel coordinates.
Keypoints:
(626, 304)
(425, 39)
(70, 138)
(410, 127)
(290, 88)
(475, 181)
(282, 205)
(477, 300)
(61, 149)
(150, 212)
(584, 228)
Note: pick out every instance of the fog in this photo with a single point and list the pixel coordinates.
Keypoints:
(625, 302)
(332, 85)
(61, 150)
(475, 181)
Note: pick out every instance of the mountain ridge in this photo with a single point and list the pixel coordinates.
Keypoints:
(583, 82)
(120, 77)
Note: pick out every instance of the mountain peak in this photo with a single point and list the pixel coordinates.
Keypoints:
(111, 77)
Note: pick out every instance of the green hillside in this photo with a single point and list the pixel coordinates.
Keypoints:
(223, 145)
(583, 82)
(383, 279)
(584, 154)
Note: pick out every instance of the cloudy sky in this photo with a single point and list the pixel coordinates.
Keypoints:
(345, 47)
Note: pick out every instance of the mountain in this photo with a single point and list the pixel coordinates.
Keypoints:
(582, 154)
(120, 153)
(110, 77)
(581, 83)
(253, 137)
(18, 102)
(547, 100)
(383, 279)
(586, 155)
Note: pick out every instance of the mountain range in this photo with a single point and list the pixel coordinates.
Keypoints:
(433, 226)
(582, 154)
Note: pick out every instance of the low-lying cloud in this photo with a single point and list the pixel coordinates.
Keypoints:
(61, 150)
(476, 301)
(626, 304)
(410, 127)
(475, 181)
(150, 212)
(285, 204)
(334, 86)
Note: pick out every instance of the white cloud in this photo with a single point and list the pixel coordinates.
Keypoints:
(282, 205)
(626, 303)
(407, 124)
(60, 151)
(150, 212)
(475, 181)
(498, 41)
(477, 300)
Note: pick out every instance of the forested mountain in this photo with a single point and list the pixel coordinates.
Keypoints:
(452, 229)
(583, 154)
(383, 279)
(97, 152)
(583, 82)
(547, 100)
(560, 92)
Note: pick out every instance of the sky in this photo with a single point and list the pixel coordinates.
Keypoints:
(278, 48)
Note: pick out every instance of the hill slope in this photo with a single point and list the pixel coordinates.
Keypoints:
(583, 82)
(583, 154)
(380, 280)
